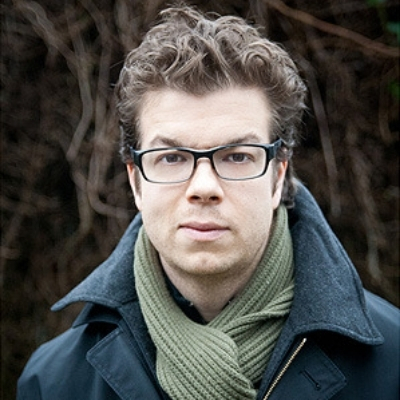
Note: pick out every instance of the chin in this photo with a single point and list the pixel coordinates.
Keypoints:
(206, 267)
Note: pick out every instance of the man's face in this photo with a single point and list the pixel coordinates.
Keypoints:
(207, 225)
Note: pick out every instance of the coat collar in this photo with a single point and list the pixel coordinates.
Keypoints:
(111, 284)
(328, 291)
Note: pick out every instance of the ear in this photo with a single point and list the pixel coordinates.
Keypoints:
(134, 182)
(280, 174)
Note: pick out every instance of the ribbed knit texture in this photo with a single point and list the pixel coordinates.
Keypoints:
(225, 358)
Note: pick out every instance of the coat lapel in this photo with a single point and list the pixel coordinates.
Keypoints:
(115, 358)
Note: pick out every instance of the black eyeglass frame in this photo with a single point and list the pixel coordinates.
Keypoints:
(271, 150)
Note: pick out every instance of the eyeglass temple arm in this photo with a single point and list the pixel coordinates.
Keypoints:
(273, 150)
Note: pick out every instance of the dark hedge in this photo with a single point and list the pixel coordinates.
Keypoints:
(65, 200)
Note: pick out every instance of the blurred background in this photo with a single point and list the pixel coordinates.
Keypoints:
(65, 199)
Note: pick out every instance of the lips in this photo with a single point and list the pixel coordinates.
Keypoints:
(203, 231)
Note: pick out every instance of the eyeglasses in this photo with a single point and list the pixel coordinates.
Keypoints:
(233, 162)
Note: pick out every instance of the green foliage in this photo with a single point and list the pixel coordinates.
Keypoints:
(376, 3)
(394, 27)
(394, 89)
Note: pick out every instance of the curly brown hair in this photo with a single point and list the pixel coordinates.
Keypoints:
(199, 54)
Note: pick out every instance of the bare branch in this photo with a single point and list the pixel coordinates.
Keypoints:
(367, 45)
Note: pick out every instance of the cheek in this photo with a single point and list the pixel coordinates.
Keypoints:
(157, 203)
(254, 204)
(257, 192)
(253, 226)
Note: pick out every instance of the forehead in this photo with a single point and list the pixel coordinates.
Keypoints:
(225, 116)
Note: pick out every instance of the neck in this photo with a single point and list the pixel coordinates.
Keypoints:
(208, 293)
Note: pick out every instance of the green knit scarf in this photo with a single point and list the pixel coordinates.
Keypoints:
(225, 358)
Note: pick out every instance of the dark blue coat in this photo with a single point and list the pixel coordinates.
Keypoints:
(339, 342)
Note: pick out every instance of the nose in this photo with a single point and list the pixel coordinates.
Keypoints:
(205, 185)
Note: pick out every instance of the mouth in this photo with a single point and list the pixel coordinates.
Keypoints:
(203, 232)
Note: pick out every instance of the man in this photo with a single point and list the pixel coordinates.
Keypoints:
(229, 284)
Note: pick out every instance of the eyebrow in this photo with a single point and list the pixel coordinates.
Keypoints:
(161, 140)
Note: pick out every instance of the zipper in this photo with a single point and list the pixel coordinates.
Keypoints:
(284, 369)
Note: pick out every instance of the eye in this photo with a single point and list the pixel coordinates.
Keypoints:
(172, 158)
(238, 157)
